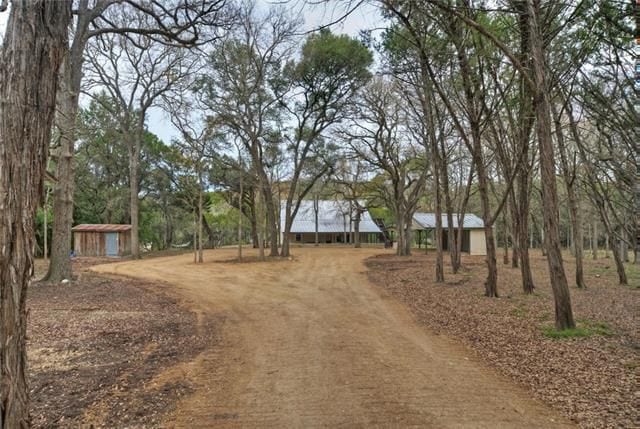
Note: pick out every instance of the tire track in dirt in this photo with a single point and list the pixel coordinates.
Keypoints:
(311, 343)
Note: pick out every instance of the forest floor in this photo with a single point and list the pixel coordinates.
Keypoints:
(311, 342)
(593, 380)
(96, 345)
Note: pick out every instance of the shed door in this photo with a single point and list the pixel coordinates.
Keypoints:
(466, 241)
(111, 243)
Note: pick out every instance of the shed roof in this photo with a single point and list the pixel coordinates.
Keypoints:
(333, 217)
(428, 220)
(101, 227)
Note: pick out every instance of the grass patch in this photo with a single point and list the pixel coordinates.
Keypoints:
(584, 328)
(633, 275)
(520, 312)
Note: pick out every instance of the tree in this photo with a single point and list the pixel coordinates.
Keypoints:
(33, 48)
(349, 177)
(179, 22)
(381, 135)
(136, 72)
(198, 141)
(322, 86)
(240, 92)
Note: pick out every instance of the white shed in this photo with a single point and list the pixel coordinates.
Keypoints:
(473, 238)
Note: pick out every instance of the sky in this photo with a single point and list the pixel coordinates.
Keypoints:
(364, 18)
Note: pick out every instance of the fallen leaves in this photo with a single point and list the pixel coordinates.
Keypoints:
(96, 344)
(593, 380)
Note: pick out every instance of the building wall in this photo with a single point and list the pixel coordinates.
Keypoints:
(333, 238)
(478, 244)
(93, 243)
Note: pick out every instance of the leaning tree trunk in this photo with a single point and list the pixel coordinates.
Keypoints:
(33, 48)
(563, 311)
(515, 229)
(572, 200)
(491, 284)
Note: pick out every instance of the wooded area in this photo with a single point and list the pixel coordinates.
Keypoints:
(520, 111)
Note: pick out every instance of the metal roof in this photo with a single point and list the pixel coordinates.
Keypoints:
(101, 227)
(333, 217)
(428, 220)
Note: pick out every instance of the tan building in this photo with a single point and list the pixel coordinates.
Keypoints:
(473, 238)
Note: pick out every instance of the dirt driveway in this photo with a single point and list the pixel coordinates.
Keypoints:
(311, 343)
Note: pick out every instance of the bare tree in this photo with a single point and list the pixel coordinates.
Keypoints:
(380, 135)
(240, 91)
(136, 72)
(198, 142)
(178, 22)
(34, 45)
(349, 176)
(321, 87)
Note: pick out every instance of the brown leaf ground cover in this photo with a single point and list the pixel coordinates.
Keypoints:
(96, 344)
(594, 380)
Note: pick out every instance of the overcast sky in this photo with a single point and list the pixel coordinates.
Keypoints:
(363, 18)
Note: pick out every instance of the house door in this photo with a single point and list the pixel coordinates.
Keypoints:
(111, 243)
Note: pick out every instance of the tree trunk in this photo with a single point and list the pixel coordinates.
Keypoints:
(195, 237)
(515, 233)
(356, 229)
(563, 311)
(284, 251)
(34, 45)
(67, 105)
(67, 112)
(594, 240)
(435, 166)
(408, 233)
(572, 200)
(45, 253)
(200, 215)
(523, 243)
(491, 284)
(400, 230)
(505, 243)
(316, 208)
(526, 120)
(134, 200)
(240, 213)
(272, 220)
(622, 275)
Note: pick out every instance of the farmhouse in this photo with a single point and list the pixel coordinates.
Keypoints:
(473, 238)
(101, 240)
(334, 221)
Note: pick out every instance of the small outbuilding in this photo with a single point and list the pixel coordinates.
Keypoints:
(102, 240)
(473, 238)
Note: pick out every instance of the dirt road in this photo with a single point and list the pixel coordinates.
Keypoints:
(311, 343)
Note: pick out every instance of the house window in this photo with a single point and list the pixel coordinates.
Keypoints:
(298, 237)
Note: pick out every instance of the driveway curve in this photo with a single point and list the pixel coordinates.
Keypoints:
(309, 342)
